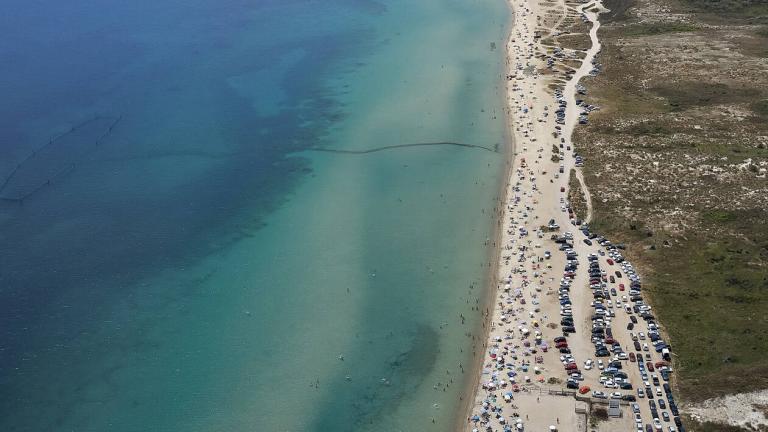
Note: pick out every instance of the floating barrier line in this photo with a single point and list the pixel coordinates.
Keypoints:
(67, 169)
(396, 146)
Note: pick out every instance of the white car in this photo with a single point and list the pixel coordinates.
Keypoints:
(588, 364)
(641, 335)
(615, 395)
(600, 364)
(657, 424)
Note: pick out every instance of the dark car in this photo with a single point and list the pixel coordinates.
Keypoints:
(625, 386)
(588, 242)
(648, 428)
(569, 329)
(630, 326)
(633, 319)
(618, 274)
(662, 404)
(637, 346)
(572, 385)
(630, 398)
(678, 422)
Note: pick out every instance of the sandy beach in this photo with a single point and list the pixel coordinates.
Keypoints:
(521, 370)
(565, 302)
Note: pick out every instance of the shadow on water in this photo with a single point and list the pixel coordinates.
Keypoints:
(366, 401)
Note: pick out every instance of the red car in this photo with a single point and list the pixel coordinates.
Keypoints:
(632, 357)
(561, 345)
(621, 287)
(571, 366)
(661, 364)
(610, 261)
(650, 366)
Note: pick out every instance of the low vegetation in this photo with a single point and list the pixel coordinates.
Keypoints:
(676, 162)
(650, 29)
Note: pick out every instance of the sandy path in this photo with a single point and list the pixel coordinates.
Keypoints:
(587, 195)
(572, 115)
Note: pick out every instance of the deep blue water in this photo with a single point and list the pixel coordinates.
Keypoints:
(171, 258)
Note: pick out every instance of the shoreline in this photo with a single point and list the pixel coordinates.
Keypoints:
(494, 252)
(530, 273)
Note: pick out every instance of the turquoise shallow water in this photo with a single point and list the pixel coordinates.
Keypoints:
(200, 268)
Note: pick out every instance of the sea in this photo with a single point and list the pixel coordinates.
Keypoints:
(246, 215)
